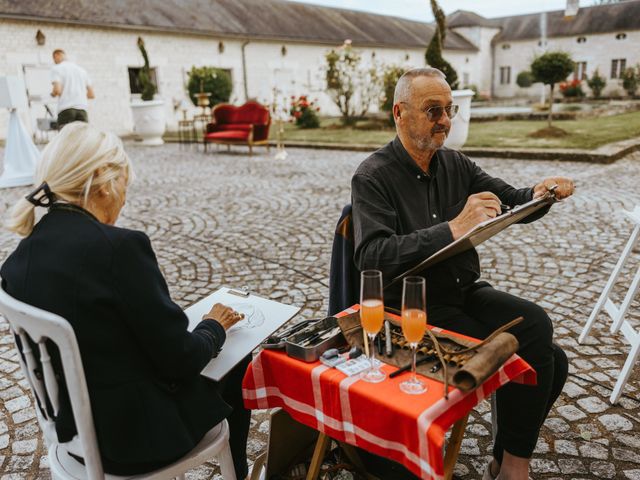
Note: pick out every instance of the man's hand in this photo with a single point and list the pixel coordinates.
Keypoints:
(225, 316)
(565, 189)
(479, 207)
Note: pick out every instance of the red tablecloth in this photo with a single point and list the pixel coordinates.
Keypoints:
(378, 417)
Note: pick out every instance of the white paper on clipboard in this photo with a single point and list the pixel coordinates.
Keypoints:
(267, 317)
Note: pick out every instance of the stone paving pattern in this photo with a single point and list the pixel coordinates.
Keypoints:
(229, 219)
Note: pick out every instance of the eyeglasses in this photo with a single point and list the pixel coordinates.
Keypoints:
(435, 113)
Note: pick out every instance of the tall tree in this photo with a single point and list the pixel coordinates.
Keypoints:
(433, 55)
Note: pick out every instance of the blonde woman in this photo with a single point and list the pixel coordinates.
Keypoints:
(150, 403)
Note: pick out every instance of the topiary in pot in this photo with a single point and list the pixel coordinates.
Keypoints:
(149, 88)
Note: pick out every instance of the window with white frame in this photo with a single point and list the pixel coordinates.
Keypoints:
(505, 75)
(617, 67)
(580, 72)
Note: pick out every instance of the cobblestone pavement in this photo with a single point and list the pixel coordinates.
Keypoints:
(253, 221)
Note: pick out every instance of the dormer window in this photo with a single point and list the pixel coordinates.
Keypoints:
(581, 39)
(506, 46)
(621, 36)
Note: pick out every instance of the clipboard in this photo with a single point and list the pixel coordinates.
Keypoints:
(481, 232)
(267, 316)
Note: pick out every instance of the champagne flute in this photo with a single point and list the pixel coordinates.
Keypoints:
(372, 316)
(414, 324)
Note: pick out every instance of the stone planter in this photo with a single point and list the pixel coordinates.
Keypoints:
(460, 124)
(149, 121)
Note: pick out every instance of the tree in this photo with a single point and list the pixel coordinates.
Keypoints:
(352, 87)
(596, 83)
(212, 80)
(630, 80)
(551, 68)
(390, 77)
(433, 56)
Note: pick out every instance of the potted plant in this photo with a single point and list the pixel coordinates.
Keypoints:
(148, 114)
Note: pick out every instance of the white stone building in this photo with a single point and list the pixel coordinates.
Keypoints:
(267, 44)
(604, 37)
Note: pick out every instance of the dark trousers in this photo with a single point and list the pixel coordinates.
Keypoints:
(522, 409)
(240, 419)
(71, 115)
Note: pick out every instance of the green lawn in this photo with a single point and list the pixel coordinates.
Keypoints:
(586, 133)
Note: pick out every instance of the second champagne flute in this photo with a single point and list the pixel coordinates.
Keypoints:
(372, 316)
(414, 324)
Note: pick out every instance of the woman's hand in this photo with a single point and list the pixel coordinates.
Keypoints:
(225, 316)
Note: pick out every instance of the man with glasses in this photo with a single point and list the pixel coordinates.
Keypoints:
(413, 197)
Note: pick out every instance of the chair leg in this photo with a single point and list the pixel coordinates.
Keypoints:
(625, 373)
(250, 150)
(226, 463)
(494, 416)
(318, 456)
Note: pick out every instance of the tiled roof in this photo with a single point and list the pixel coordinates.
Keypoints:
(251, 19)
(615, 17)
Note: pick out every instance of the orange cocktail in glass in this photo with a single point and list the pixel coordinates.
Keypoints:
(372, 316)
(414, 324)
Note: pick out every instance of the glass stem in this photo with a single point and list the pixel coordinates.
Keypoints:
(413, 362)
(371, 342)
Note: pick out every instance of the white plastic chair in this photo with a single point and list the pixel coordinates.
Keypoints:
(618, 313)
(31, 322)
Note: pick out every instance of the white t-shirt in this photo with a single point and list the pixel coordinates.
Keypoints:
(74, 81)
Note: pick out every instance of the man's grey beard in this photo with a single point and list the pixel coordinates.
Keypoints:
(424, 144)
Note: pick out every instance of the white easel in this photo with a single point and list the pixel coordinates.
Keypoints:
(21, 155)
(617, 313)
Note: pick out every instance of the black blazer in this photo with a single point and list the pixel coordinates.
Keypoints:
(149, 401)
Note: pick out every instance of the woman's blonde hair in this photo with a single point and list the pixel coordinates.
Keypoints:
(80, 160)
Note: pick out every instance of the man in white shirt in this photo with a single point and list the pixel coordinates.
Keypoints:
(72, 85)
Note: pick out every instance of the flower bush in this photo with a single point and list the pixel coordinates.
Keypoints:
(572, 89)
(304, 112)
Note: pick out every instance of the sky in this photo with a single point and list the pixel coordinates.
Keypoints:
(420, 10)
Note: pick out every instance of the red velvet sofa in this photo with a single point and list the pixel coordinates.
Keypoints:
(244, 125)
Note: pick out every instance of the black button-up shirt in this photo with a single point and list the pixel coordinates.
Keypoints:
(401, 214)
